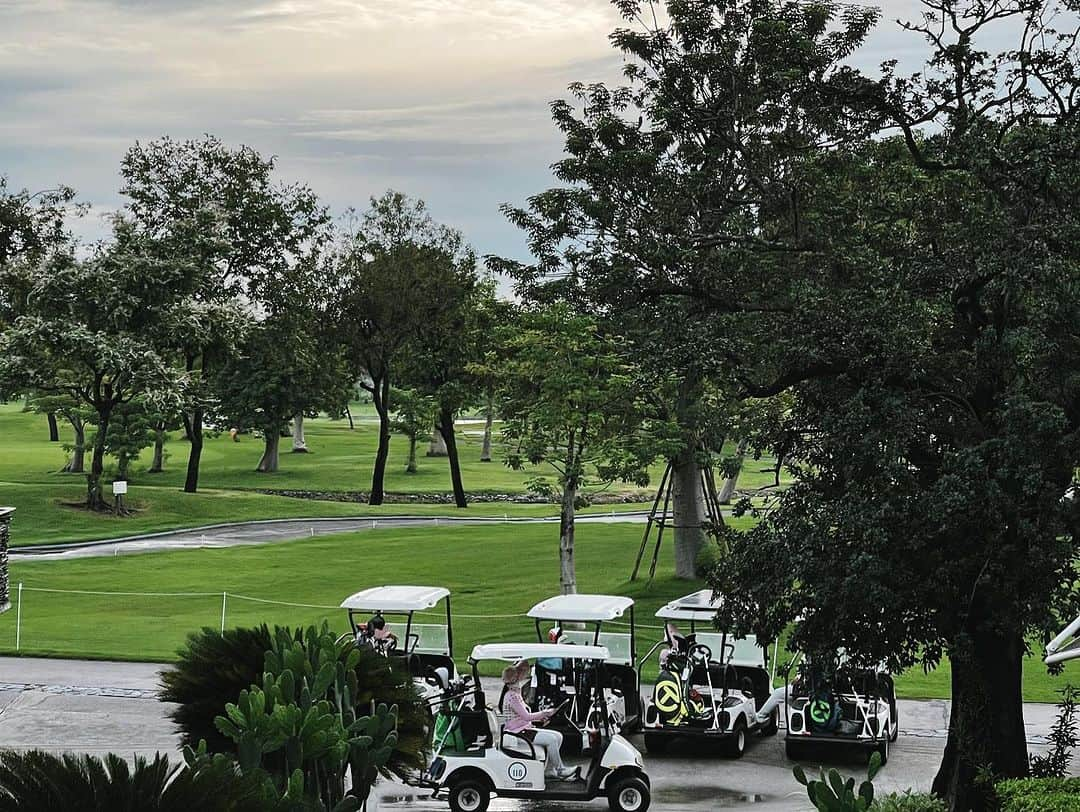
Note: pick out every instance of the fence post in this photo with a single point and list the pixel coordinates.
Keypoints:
(18, 619)
(224, 595)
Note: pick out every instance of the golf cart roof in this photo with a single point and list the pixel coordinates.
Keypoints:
(396, 598)
(1065, 646)
(512, 652)
(581, 607)
(697, 606)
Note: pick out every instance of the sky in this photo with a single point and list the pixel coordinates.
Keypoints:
(446, 100)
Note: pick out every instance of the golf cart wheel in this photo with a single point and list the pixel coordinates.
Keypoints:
(736, 744)
(770, 727)
(655, 743)
(629, 795)
(882, 748)
(469, 795)
(894, 731)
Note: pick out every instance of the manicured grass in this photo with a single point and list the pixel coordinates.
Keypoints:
(491, 570)
(341, 460)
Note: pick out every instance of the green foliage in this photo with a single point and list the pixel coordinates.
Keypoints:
(709, 558)
(909, 802)
(35, 780)
(831, 793)
(316, 740)
(213, 669)
(1039, 795)
(1063, 739)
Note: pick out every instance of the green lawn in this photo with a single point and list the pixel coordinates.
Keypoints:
(341, 460)
(491, 571)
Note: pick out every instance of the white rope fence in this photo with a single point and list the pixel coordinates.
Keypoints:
(226, 600)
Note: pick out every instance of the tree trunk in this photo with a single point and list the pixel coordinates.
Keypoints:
(194, 426)
(727, 490)
(158, 462)
(54, 430)
(489, 418)
(437, 446)
(986, 723)
(410, 466)
(446, 430)
(348, 414)
(688, 513)
(95, 498)
(381, 399)
(299, 445)
(567, 571)
(77, 464)
(268, 464)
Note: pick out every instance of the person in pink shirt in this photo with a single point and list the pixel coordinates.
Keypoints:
(522, 720)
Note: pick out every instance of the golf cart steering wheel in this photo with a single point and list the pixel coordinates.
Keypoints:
(700, 653)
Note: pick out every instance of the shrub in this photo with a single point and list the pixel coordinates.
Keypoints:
(1039, 795)
(35, 780)
(909, 802)
(1063, 738)
(831, 793)
(214, 667)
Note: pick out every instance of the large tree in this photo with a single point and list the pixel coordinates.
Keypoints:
(244, 233)
(398, 272)
(935, 429)
(97, 347)
(659, 226)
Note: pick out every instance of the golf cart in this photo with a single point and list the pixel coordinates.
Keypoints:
(486, 759)
(1064, 647)
(836, 704)
(710, 683)
(425, 647)
(551, 686)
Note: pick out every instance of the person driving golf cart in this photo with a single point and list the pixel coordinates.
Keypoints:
(550, 676)
(522, 722)
(376, 634)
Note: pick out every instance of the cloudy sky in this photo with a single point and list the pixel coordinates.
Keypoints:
(442, 99)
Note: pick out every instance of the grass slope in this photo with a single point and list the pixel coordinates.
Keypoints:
(492, 571)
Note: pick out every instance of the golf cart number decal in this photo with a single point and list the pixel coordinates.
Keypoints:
(667, 696)
(517, 771)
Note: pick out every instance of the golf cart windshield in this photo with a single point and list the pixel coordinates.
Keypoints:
(399, 605)
(699, 609)
(594, 610)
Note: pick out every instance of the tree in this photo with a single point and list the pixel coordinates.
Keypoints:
(130, 430)
(244, 235)
(438, 359)
(395, 272)
(568, 402)
(68, 408)
(413, 414)
(283, 368)
(97, 347)
(678, 219)
(935, 435)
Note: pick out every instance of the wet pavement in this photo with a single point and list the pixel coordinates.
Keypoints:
(277, 530)
(99, 707)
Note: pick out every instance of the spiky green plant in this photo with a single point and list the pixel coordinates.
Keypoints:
(831, 793)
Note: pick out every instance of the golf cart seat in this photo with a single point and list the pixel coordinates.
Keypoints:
(513, 744)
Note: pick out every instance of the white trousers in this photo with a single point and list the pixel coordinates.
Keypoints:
(550, 741)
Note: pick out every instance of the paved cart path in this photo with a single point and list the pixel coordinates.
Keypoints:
(277, 530)
(98, 707)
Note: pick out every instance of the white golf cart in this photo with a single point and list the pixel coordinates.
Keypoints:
(710, 683)
(1066, 646)
(835, 704)
(589, 613)
(424, 647)
(489, 760)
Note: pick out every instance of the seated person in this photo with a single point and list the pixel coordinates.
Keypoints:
(375, 633)
(521, 722)
(549, 676)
